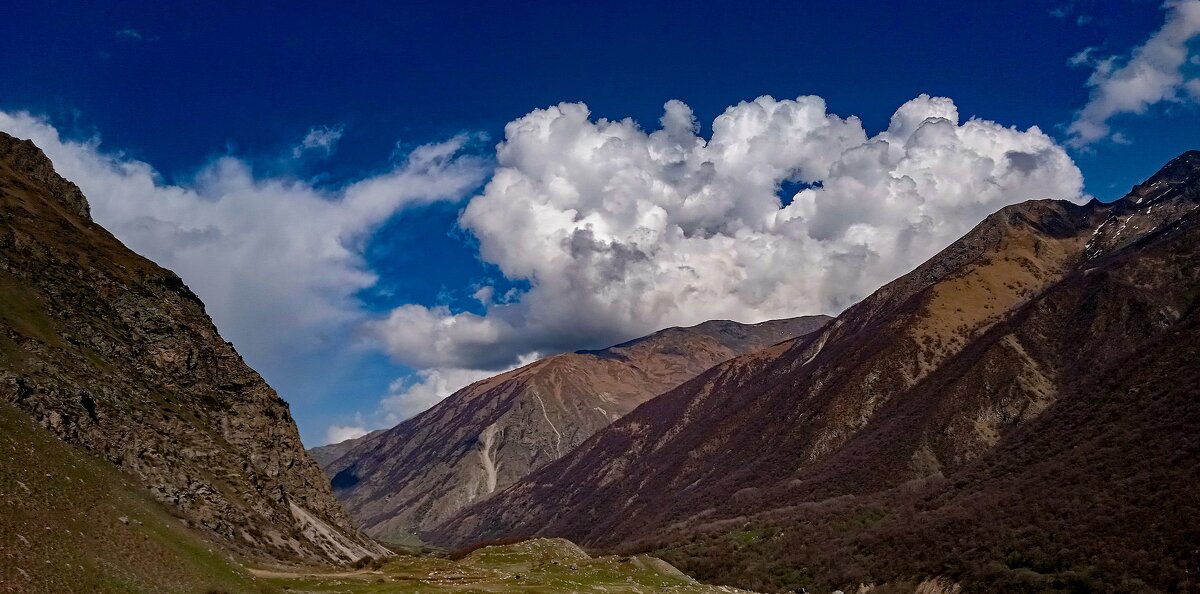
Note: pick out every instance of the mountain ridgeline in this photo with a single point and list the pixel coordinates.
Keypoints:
(1020, 413)
(481, 439)
(115, 355)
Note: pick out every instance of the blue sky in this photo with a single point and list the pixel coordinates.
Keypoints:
(181, 86)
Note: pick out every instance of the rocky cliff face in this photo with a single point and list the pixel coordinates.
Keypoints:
(1035, 370)
(490, 434)
(115, 354)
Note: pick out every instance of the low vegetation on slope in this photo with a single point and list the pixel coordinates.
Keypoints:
(1115, 511)
(543, 566)
(70, 522)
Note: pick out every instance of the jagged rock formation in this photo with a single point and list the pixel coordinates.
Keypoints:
(115, 354)
(490, 434)
(1020, 411)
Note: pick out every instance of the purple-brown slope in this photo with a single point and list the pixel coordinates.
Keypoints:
(492, 433)
(932, 376)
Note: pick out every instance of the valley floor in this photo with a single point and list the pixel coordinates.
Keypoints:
(542, 565)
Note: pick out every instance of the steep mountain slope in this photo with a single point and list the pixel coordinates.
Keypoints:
(1050, 329)
(491, 433)
(116, 355)
(72, 522)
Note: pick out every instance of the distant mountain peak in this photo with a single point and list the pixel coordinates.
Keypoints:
(487, 435)
(1153, 206)
(1183, 170)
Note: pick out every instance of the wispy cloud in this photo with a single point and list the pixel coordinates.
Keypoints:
(1153, 72)
(340, 433)
(131, 34)
(320, 139)
(1071, 9)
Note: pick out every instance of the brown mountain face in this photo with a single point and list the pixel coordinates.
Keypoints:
(116, 355)
(1019, 413)
(494, 432)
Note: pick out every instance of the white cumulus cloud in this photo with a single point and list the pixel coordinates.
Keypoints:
(1153, 73)
(276, 261)
(618, 231)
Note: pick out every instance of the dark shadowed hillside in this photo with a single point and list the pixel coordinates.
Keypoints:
(1017, 414)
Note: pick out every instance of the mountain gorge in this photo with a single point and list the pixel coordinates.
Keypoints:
(406, 480)
(115, 355)
(1015, 414)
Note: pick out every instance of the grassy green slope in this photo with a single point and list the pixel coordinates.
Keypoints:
(61, 527)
